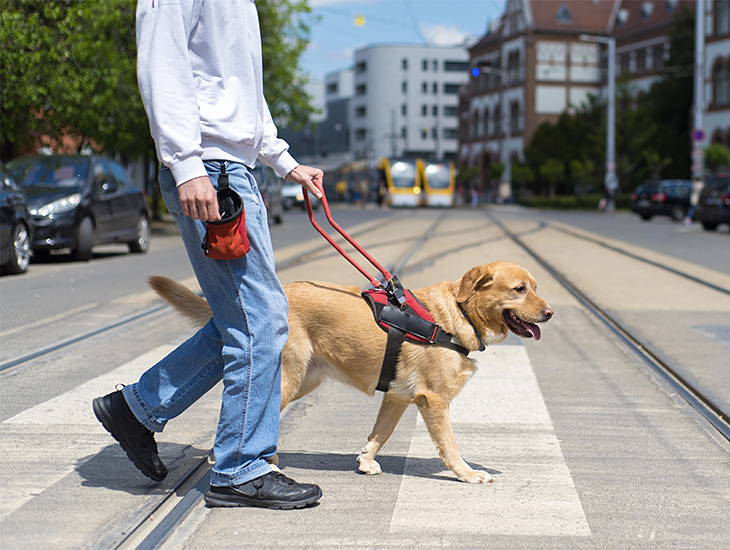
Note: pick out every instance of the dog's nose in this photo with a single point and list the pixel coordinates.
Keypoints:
(548, 313)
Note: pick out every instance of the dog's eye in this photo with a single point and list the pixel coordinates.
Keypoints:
(520, 289)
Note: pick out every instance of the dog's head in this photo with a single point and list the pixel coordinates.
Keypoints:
(500, 297)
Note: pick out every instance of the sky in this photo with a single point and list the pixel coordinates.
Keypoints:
(339, 27)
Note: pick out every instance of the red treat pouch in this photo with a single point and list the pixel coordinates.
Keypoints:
(227, 239)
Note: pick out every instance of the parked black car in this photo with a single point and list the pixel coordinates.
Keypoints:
(16, 226)
(661, 198)
(79, 201)
(713, 208)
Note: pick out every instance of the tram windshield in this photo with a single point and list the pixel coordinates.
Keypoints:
(438, 176)
(403, 174)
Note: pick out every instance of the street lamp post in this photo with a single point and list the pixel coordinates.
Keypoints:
(610, 179)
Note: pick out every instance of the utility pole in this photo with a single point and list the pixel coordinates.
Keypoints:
(698, 134)
(610, 179)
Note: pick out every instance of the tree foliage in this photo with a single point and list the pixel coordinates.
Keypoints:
(68, 68)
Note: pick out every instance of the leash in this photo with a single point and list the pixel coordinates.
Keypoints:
(391, 283)
(397, 311)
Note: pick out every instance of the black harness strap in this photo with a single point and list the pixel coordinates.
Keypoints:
(396, 338)
(404, 323)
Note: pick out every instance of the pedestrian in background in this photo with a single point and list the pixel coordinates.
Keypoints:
(199, 68)
(697, 185)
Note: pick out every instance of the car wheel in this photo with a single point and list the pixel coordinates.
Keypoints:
(710, 226)
(646, 217)
(678, 213)
(142, 242)
(20, 251)
(84, 240)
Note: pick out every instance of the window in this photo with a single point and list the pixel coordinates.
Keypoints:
(720, 85)
(435, 88)
(435, 65)
(450, 110)
(452, 89)
(563, 14)
(424, 110)
(435, 110)
(657, 57)
(456, 66)
(361, 89)
(360, 134)
(404, 86)
(424, 133)
(404, 109)
(722, 17)
(404, 64)
(424, 87)
(450, 133)
(514, 117)
(361, 67)
(640, 60)
(361, 111)
(424, 65)
(332, 88)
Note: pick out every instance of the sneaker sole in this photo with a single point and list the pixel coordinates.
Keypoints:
(110, 426)
(222, 501)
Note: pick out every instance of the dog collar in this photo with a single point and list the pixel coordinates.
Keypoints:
(482, 347)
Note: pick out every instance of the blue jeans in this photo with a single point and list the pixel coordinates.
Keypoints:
(241, 344)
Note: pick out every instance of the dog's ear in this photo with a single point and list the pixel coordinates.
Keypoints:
(475, 277)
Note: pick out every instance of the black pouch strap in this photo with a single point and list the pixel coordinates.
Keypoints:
(392, 349)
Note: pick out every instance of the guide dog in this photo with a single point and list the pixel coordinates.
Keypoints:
(332, 333)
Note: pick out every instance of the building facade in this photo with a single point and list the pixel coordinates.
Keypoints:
(536, 63)
(716, 119)
(405, 101)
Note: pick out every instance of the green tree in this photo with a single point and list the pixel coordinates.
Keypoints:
(552, 171)
(717, 156)
(68, 68)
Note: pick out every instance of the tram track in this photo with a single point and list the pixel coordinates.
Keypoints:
(155, 527)
(649, 356)
(157, 523)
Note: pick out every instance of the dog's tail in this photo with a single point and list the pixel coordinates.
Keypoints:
(184, 300)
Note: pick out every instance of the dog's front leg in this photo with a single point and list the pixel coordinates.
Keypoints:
(435, 413)
(388, 416)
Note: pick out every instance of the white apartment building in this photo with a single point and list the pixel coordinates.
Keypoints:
(405, 101)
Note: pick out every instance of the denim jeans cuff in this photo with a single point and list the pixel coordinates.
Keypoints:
(256, 469)
(140, 410)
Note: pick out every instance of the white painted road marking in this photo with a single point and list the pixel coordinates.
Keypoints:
(26, 438)
(502, 425)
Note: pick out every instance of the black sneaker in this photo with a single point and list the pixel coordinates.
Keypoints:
(136, 440)
(272, 490)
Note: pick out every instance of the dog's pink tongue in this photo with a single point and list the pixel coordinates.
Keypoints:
(534, 330)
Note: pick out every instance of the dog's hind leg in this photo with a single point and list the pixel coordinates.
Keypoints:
(389, 414)
(435, 412)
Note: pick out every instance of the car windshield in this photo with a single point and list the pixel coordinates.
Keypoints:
(678, 190)
(50, 171)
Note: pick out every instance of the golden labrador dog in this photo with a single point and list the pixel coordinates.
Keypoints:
(332, 333)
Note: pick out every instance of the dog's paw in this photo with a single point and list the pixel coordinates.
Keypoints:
(477, 476)
(368, 466)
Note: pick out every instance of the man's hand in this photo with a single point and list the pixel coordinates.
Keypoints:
(199, 200)
(307, 177)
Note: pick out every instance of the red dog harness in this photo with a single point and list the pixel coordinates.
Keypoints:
(404, 318)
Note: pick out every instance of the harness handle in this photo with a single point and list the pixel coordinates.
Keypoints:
(393, 287)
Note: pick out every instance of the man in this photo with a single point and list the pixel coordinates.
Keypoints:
(200, 76)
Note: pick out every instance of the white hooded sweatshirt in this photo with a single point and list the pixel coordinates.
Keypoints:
(200, 76)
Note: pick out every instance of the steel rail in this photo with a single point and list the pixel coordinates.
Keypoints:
(166, 517)
(691, 394)
(633, 256)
